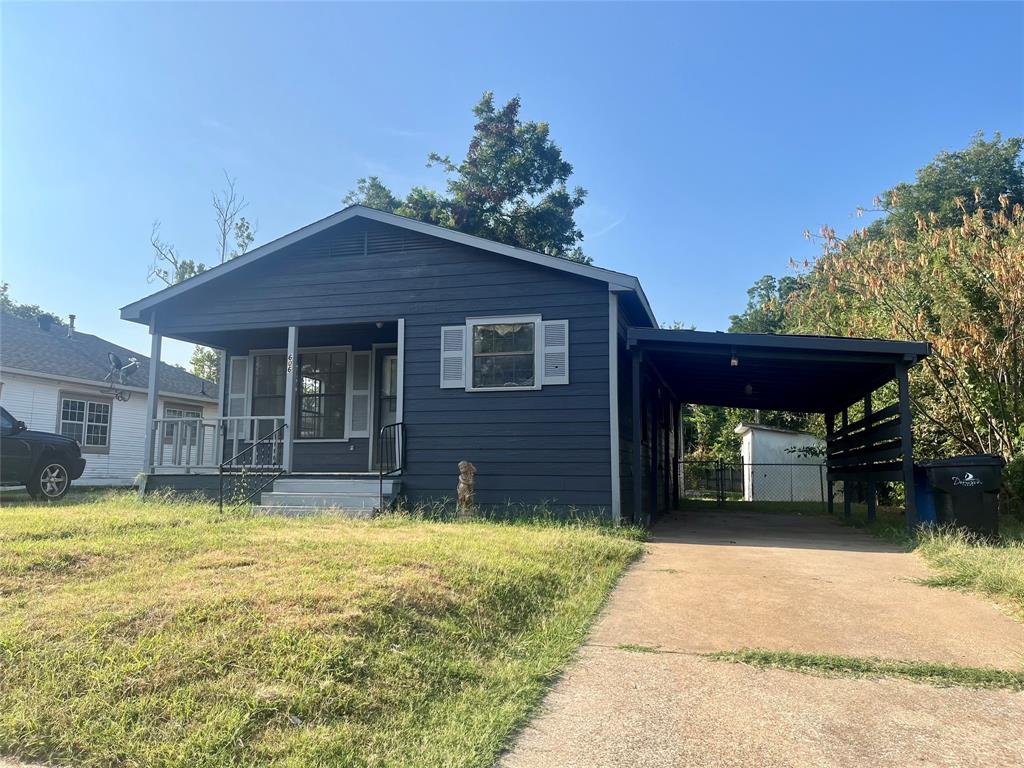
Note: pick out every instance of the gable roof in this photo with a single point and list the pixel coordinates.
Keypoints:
(617, 281)
(27, 348)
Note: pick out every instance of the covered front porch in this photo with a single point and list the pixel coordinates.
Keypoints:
(313, 399)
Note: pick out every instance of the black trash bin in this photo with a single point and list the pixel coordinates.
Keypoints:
(966, 491)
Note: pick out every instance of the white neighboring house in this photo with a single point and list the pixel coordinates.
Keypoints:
(52, 378)
(781, 464)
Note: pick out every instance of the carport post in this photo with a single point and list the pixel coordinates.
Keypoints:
(830, 428)
(676, 425)
(666, 412)
(637, 472)
(847, 501)
(907, 440)
(653, 421)
(871, 489)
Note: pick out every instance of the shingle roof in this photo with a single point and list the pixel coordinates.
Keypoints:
(27, 347)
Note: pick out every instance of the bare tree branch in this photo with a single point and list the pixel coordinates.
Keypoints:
(228, 205)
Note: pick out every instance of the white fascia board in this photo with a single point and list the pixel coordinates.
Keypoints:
(614, 279)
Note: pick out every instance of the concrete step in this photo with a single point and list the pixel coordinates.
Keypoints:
(321, 500)
(358, 514)
(366, 485)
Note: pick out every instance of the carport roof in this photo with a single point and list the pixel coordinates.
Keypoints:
(815, 374)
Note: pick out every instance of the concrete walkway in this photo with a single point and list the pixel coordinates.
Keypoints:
(715, 581)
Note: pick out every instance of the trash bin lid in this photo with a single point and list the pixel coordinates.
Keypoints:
(976, 460)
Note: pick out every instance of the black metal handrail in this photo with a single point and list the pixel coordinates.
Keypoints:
(261, 470)
(390, 454)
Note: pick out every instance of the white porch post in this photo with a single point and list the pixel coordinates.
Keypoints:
(400, 384)
(153, 395)
(220, 430)
(291, 363)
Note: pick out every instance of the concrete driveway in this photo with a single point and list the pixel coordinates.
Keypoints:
(719, 581)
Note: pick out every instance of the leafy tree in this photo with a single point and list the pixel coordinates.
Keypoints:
(961, 287)
(766, 306)
(373, 193)
(205, 363)
(512, 186)
(954, 184)
(170, 267)
(25, 311)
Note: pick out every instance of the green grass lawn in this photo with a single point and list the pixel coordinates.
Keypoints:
(850, 666)
(163, 634)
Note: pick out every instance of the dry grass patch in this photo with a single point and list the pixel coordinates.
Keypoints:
(162, 633)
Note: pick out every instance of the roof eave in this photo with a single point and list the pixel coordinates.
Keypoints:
(915, 350)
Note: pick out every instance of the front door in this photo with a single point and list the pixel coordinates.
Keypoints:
(387, 398)
(389, 390)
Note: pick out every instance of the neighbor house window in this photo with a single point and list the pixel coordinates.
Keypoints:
(87, 421)
(180, 412)
(268, 386)
(504, 353)
(322, 390)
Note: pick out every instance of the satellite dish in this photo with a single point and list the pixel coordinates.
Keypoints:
(119, 370)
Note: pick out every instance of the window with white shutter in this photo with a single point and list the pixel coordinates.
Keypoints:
(359, 395)
(555, 352)
(453, 357)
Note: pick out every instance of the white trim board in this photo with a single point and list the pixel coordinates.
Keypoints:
(618, 280)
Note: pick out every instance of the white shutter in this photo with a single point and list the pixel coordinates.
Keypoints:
(238, 397)
(359, 394)
(453, 357)
(555, 352)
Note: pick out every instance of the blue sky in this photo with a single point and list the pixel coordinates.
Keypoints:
(709, 136)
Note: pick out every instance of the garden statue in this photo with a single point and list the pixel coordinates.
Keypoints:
(467, 488)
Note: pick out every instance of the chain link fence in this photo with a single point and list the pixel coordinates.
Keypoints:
(788, 482)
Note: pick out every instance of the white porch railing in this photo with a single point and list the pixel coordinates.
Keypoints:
(201, 445)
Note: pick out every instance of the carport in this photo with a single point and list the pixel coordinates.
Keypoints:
(807, 374)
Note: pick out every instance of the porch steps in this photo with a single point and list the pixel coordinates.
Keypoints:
(351, 496)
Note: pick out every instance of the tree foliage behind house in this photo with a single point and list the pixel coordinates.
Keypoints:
(14, 308)
(955, 277)
(944, 262)
(512, 187)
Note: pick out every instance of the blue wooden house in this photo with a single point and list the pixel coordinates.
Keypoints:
(369, 351)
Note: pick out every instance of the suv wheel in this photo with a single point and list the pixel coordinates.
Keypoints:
(49, 482)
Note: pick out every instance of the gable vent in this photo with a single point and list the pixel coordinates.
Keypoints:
(375, 242)
(394, 240)
(349, 245)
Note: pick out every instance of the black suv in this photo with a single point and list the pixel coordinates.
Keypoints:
(43, 462)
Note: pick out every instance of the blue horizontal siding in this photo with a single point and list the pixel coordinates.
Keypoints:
(547, 446)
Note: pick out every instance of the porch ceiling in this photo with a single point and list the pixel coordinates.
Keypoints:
(241, 341)
(814, 374)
